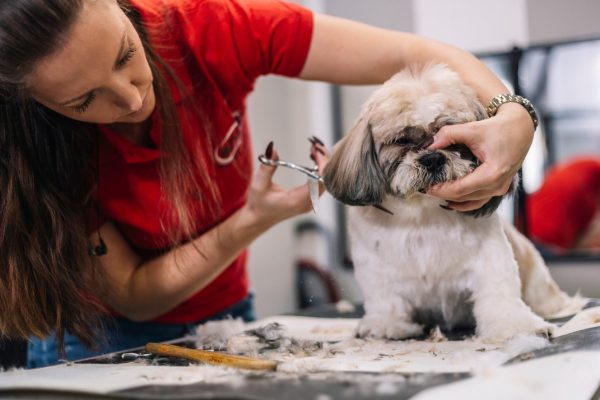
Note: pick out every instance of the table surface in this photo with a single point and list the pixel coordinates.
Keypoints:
(319, 386)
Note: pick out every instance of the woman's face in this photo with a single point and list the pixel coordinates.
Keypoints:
(100, 74)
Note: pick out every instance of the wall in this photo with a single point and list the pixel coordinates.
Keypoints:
(474, 25)
(288, 112)
(387, 14)
(559, 20)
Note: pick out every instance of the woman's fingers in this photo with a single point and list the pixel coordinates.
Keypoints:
(468, 205)
(264, 175)
(300, 195)
(453, 134)
(318, 153)
(500, 143)
(484, 181)
(273, 202)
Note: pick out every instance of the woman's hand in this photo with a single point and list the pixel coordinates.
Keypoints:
(269, 203)
(500, 143)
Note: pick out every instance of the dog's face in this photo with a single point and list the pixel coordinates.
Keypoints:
(385, 153)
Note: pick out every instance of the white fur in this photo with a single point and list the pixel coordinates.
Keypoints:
(425, 257)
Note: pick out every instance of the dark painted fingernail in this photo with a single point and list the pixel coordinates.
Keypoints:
(269, 150)
(313, 158)
(316, 139)
(320, 150)
(312, 141)
(445, 207)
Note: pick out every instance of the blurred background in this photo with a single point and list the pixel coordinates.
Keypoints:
(545, 50)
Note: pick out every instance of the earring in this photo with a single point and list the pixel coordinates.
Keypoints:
(98, 250)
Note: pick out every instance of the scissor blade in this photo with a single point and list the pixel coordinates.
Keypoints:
(313, 190)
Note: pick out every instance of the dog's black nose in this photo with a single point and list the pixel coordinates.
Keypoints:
(433, 161)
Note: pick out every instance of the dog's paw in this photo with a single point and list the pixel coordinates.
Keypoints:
(522, 325)
(384, 328)
(546, 331)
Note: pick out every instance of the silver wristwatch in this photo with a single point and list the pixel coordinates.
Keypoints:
(500, 99)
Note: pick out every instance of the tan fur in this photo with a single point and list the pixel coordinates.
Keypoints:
(538, 289)
(421, 258)
(424, 98)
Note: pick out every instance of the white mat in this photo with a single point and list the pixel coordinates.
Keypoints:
(572, 376)
(342, 352)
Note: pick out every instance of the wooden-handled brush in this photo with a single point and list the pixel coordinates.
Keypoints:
(211, 357)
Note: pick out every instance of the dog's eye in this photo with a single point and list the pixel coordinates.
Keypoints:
(402, 141)
(463, 151)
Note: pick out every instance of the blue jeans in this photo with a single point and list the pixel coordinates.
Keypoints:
(121, 334)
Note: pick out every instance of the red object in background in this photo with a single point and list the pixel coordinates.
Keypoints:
(566, 204)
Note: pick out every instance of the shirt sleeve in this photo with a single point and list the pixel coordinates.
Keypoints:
(240, 40)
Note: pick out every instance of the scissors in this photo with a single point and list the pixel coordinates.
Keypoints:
(313, 177)
(310, 172)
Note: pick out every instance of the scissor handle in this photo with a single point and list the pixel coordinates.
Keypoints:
(310, 172)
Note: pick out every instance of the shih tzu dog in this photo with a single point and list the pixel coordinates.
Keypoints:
(418, 263)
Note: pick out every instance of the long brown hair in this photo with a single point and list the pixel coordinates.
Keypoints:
(48, 280)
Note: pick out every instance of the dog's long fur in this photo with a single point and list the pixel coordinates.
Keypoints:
(426, 264)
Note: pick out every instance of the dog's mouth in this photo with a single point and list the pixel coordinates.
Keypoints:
(432, 179)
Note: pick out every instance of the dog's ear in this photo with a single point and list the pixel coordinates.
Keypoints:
(478, 109)
(353, 175)
(492, 205)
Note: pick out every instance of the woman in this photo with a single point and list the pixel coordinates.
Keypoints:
(126, 160)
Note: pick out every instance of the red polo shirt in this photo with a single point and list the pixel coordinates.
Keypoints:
(562, 210)
(217, 48)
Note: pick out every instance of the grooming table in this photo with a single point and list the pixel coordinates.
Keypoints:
(346, 368)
